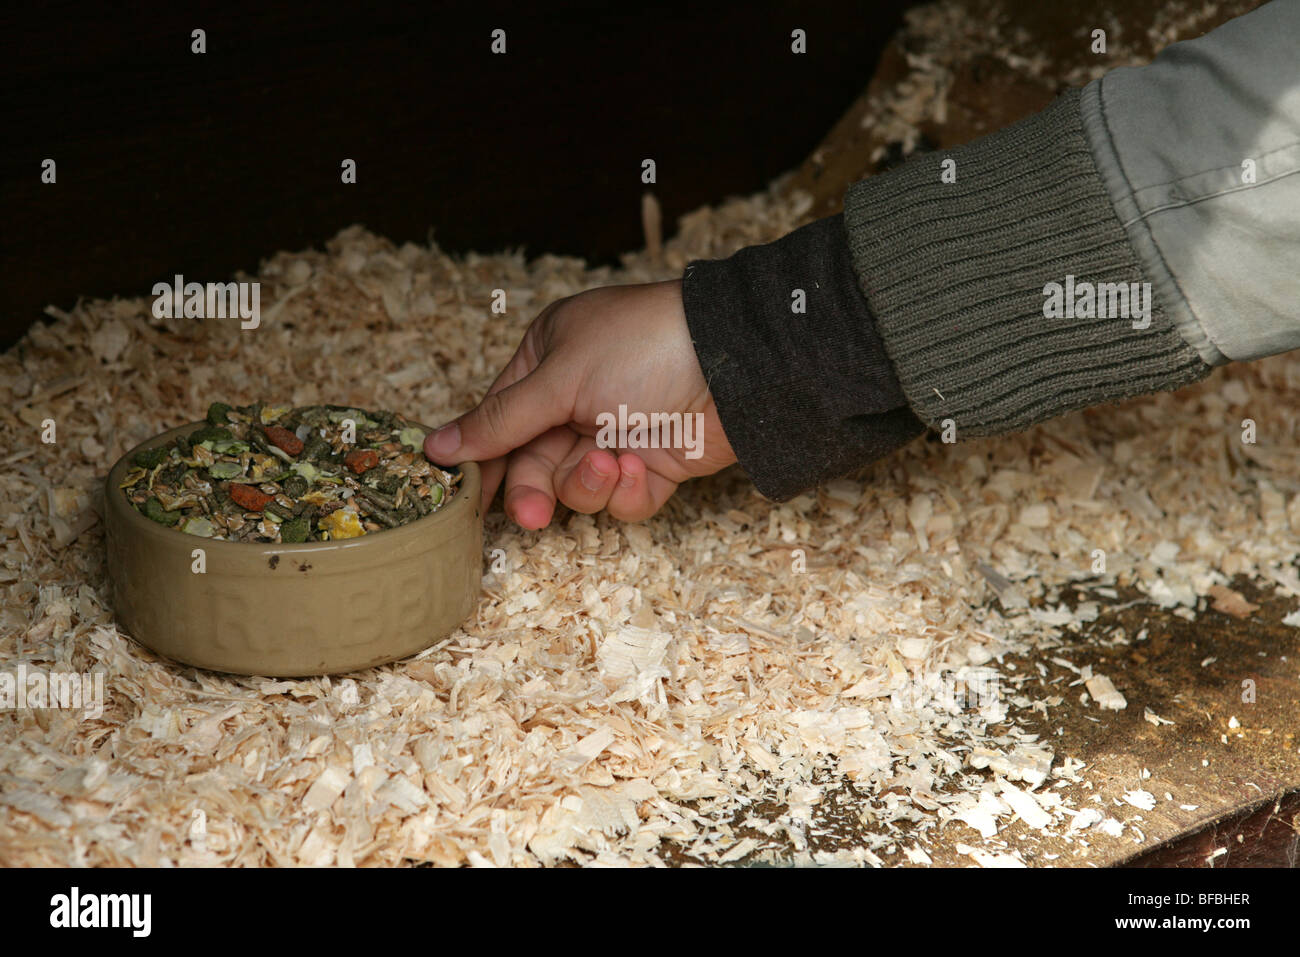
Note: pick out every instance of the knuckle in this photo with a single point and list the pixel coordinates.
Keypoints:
(493, 413)
(548, 325)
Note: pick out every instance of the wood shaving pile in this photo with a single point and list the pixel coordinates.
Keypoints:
(622, 689)
(940, 37)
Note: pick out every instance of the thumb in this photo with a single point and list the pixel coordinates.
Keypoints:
(502, 422)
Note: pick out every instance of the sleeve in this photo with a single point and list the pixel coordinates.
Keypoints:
(1200, 153)
(1104, 248)
(799, 376)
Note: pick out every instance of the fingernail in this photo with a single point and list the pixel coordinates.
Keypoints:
(591, 478)
(441, 446)
(627, 481)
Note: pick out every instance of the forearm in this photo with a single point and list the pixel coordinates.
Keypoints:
(1102, 249)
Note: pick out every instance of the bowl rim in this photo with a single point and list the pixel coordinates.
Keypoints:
(466, 497)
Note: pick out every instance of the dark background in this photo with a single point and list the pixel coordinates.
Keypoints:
(203, 164)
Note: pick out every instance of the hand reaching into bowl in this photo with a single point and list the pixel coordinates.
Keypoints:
(540, 425)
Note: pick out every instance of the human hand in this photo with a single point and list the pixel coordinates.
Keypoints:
(549, 423)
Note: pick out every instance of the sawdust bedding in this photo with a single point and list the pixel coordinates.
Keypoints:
(622, 688)
(621, 685)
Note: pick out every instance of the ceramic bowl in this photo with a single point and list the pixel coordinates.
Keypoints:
(292, 610)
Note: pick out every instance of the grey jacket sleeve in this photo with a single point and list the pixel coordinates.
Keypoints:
(1200, 153)
(1123, 241)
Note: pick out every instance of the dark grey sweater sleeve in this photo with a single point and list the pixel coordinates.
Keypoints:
(801, 380)
(968, 280)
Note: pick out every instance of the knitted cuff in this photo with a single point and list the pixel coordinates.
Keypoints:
(802, 384)
(1010, 295)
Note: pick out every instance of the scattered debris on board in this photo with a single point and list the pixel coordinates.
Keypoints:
(1104, 693)
(1230, 602)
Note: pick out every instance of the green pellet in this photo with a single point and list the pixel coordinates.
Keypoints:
(210, 433)
(151, 458)
(153, 510)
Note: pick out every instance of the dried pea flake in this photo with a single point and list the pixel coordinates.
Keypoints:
(264, 473)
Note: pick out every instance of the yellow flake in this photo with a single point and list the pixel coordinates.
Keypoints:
(262, 466)
(343, 523)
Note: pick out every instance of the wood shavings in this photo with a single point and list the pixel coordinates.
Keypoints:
(325, 790)
(1024, 804)
(1029, 763)
(741, 849)
(590, 747)
(633, 657)
(917, 855)
(982, 815)
(1086, 818)
(1231, 602)
(917, 649)
(1105, 694)
(1010, 596)
(918, 514)
(988, 859)
(1152, 718)
(1143, 800)
(1110, 827)
(618, 686)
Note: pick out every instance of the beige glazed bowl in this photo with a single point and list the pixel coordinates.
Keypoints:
(293, 610)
